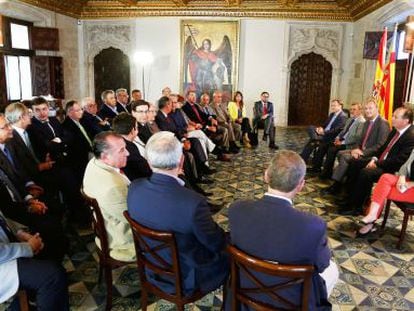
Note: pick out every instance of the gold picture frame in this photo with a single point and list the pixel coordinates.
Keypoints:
(209, 57)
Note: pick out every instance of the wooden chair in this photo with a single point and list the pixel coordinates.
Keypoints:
(248, 266)
(23, 301)
(407, 209)
(106, 262)
(148, 259)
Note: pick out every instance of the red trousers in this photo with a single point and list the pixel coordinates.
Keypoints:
(386, 188)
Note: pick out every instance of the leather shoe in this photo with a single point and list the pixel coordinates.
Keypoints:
(349, 212)
(215, 208)
(209, 171)
(264, 137)
(273, 146)
(205, 181)
(224, 157)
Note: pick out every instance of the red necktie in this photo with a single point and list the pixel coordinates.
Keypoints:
(369, 129)
(264, 108)
(391, 143)
(197, 114)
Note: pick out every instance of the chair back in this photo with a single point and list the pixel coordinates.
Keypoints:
(247, 267)
(148, 244)
(98, 225)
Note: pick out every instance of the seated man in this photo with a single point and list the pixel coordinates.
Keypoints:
(263, 113)
(163, 203)
(281, 233)
(105, 182)
(92, 123)
(326, 133)
(45, 278)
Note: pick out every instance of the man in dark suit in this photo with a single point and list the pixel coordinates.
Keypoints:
(122, 100)
(92, 123)
(279, 232)
(200, 242)
(139, 109)
(364, 172)
(328, 131)
(263, 114)
(137, 166)
(108, 109)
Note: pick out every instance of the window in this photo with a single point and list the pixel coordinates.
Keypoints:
(400, 52)
(18, 77)
(19, 36)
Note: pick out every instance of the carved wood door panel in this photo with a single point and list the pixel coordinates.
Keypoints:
(310, 90)
(399, 83)
(111, 71)
(47, 76)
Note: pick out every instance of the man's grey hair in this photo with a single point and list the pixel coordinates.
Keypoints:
(120, 90)
(15, 111)
(101, 143)
(84, 102)
(286, 170)
(164, 151)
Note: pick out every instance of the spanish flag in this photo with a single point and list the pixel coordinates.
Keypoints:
(389, 80)
(378, 89)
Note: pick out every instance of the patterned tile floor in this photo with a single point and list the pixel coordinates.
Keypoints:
(374, 275)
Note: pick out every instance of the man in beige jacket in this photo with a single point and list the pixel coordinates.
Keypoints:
(105, 181)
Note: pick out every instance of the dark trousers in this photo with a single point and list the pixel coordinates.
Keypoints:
(360, 181)
(46, 280)
(268, 128)
(245, 126)
(331, 153)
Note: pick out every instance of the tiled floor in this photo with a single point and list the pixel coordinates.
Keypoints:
(373, 274)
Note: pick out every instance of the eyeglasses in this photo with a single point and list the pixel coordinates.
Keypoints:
(141, 111)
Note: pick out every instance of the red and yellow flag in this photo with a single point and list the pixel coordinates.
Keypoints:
(389, 80)
(378, 88)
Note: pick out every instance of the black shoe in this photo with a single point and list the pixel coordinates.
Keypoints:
(314, 170)
(201, 191)
(273, 146)
(234, 149)
(264, 137)
(335, 188)
(209, 171)
(215, 208)
(348, 212)
(205, 181)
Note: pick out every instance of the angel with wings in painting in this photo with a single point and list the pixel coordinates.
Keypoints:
(207, 70)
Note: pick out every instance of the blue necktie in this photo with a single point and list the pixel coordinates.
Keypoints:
(8, 156)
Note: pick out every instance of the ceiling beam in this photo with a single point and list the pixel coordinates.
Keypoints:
(180, 2)
(233, 2)
(128, 2)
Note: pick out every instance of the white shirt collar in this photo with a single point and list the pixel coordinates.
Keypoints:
(404, 129)
(279, 197)
(19, 130)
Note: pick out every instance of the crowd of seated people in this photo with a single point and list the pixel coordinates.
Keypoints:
(127, 152)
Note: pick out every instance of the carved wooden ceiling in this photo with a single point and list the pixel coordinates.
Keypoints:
(328, 10)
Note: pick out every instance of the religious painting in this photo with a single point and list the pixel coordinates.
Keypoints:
(209, 59)
(372, 43)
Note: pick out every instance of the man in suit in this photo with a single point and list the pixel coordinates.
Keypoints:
(365, 171)
(348, 138)
(137, 166)
(263, 115)
(328, 131)
(19, 270)
(279, 232)
(92, 123)
(122, 100)
(200, 242)
(139, 109)
(373, 136)
(105, 182)
(108, 109)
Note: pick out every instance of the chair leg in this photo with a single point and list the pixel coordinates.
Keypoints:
(180, 307)
(108, 278)
(23, 302)
(100, 271)
(144, 299)
(403, 229)
(386, 214)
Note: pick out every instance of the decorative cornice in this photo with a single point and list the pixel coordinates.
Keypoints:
(325, 10)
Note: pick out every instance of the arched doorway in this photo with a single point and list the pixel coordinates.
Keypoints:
(111, 71)
(310, 90)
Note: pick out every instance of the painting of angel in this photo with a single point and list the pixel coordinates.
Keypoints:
(210, 52)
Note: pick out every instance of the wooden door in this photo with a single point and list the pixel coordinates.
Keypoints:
(111, 71)
(310, 90)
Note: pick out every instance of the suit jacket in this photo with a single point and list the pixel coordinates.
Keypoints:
(144, 132)
(27, 162)
(187, 108)
(41, 138)
(399, 153)
(222, 116)
(120, 108)
(258, 112)
(92, 125)
(110, 189)
(407, 168)
(336, 126)
(279, 232)
(107, 113)
(377, 136)
(79, 147)
(161, 203)
(137, 166)
(9, 252)
(167, 124)
(354, 133)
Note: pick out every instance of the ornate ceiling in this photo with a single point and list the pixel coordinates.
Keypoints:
(328, 10)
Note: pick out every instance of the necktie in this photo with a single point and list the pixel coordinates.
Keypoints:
(197, 114)
(15, 194)
(98, 118)
(264, 108)
(346, 130)
(7, 230)
(390, 144)
(328, 127)
(82, 129)
(50, 128)
(29, 145)
(369, 129)
(8, 156)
